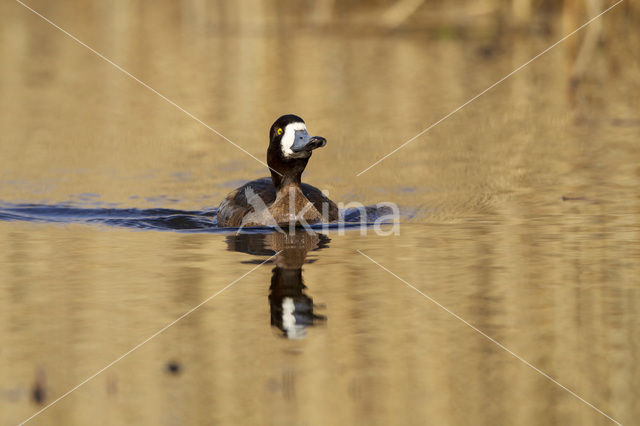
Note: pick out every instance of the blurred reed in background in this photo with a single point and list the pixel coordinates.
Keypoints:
(451, 17)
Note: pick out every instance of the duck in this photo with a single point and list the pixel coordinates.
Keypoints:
(281, 199)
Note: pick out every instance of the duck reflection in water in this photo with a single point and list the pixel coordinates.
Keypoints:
(292, 310)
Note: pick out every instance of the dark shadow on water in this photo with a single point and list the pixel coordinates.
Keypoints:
(292, 310)
(152, 219)
(156, 219)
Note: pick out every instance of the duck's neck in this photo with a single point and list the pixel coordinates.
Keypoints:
(287, 174)
(285, 181)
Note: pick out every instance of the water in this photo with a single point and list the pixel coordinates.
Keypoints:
(366, 218)
(520, 215)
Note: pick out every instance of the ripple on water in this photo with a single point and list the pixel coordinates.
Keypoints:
(159, 219)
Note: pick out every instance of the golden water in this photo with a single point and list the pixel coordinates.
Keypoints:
(521, 214)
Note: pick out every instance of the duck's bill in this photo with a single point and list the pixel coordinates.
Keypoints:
(305, 143)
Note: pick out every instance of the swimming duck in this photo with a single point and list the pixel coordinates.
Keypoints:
(283, 198)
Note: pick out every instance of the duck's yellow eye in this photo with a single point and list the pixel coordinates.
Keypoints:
(279, 132)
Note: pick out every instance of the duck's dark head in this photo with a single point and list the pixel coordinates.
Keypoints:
(289, 150)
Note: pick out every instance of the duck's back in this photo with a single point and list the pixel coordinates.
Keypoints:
(236, 206)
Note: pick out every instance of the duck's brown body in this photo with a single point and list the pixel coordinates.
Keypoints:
(291, 203)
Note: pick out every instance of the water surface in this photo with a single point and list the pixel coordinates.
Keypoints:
(520, 214)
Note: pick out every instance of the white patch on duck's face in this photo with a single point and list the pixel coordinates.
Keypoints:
(289, 137)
